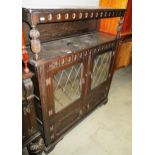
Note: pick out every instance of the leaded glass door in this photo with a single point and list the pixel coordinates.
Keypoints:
(67, 86)
(100, 70)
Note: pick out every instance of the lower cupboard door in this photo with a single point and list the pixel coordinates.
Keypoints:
(100, 76)
(67, 85)
(65, 122)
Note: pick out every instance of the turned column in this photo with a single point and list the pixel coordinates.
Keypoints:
(119, 28)
(118, 37)
(35, 42)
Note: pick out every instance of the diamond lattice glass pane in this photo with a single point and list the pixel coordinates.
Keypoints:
(101, 69)
(67, 86)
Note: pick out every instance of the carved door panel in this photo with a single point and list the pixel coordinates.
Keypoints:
(100, 76)
(66, 93)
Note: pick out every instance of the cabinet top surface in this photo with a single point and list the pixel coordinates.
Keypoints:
(72, 45)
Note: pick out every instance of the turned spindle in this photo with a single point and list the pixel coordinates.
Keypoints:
(35, 42)
(119, 28)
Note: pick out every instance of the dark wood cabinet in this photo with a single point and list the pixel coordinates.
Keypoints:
(31, 137)
(72, 65)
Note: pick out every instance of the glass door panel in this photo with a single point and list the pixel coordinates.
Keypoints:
(67, 86)
(101, 69)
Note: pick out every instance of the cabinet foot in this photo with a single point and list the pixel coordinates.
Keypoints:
(36, 147)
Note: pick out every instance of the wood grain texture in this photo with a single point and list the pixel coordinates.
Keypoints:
(23, 39)
(65, 45)
(124, 54)
(53, 31)
(38, 16)
(30, 131)
(56, 124)
(110, 25)
(127, 25)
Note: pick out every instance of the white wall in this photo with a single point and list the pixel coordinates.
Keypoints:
(59, 3)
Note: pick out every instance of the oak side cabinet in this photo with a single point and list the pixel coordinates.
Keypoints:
(72, 63)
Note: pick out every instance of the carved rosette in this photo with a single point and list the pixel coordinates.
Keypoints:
(36, 147)
(35, 42)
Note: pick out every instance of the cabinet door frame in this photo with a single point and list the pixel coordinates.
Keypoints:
(57, 70)
(110, 48)
(53, 67)
(104, 86)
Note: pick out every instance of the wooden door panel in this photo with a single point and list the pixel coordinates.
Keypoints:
(96, 96)
(65, 93)
(66, 118)
(101, 65)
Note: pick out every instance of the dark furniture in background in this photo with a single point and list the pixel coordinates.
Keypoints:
(31, 136)
(72, 65)
(124, 50)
